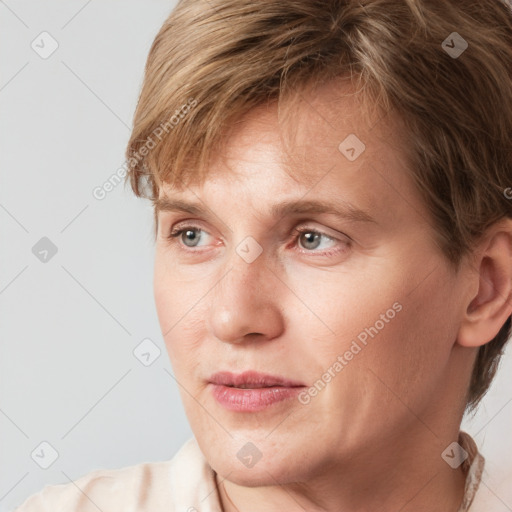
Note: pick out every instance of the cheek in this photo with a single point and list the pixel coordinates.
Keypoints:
(161, 282)
(347, 306)
(173, 307)
(174, 295)
(164, 302)
(404, 362)
(394, 332)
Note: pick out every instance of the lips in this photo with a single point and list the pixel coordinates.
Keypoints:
(252, 380)
(251, 391)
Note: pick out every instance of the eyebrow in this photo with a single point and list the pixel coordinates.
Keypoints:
(343, 210)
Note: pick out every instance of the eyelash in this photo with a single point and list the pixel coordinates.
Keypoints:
(177, 231)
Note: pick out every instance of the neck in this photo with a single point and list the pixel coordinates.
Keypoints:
(404, 473)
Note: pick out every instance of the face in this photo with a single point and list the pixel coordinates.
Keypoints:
(362, 312)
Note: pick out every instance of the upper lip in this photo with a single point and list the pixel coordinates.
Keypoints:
(252, 379)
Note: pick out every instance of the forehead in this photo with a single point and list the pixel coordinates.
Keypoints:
(326, 144)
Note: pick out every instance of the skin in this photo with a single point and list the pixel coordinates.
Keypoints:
(372, 439)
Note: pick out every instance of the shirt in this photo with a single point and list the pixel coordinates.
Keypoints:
(186, 483)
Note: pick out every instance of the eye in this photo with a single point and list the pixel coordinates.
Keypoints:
(307, 239)
(311, 239)
(189, 235)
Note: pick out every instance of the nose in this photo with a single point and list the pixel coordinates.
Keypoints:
(245, 303)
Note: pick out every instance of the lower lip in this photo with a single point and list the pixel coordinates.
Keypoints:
(251, 400)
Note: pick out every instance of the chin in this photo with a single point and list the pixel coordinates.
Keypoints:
(276, 466)
(261, 475)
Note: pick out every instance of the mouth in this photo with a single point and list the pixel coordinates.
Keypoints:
(253, 380)
(253, 394)
(253, 386)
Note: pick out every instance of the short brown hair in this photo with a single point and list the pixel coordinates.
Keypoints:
(213, 61)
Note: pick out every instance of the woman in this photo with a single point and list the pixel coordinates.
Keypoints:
(333, 226)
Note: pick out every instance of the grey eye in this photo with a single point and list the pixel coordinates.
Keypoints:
(312, 239)
(189, 237)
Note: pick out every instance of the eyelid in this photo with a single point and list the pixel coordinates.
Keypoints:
(301, 227)
(341, 246)
(328, 232)
(183, 224)
(175, 231)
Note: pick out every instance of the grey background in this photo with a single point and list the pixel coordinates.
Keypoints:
(68, 326)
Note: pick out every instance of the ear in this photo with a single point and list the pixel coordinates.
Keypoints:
(489, 309)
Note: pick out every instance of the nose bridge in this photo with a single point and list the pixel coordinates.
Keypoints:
(249, 271)
(245, 301)
(245, 285)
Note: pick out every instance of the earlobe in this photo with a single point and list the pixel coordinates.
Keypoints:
(489, 309)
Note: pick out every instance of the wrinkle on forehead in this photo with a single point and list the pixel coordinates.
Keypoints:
(302, 135)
